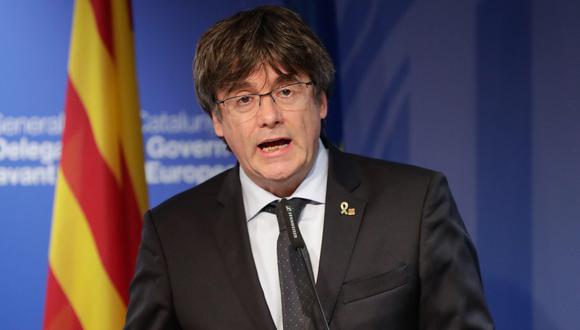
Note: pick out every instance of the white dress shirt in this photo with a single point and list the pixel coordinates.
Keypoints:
(263, 227)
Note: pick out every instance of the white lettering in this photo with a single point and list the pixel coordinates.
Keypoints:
(46, 152)
(181, 122)
(33, 125)
(158, 173)
(158, 147)
(28, 175)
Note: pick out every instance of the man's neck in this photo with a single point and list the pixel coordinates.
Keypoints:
(285, 188)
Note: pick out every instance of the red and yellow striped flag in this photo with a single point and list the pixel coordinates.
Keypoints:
(101, 191)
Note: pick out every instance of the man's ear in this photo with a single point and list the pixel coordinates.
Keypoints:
(217, 123)
(323, 106)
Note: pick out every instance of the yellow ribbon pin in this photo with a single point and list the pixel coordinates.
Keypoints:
(344, 209)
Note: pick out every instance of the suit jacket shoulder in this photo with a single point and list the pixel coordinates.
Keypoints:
(375, 177)
(195, 199)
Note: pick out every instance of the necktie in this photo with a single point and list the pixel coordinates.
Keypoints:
(297, 297)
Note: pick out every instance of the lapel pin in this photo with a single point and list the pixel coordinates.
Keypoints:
(344, 209)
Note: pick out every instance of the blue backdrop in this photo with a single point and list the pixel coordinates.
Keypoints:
(484, 90)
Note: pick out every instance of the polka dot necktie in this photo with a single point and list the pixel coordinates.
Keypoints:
(297, 297)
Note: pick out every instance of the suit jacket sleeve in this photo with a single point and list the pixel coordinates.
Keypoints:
(150, 303)
(451, 289)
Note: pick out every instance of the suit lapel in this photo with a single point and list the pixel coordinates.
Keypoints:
(231, 234)
(341, 227)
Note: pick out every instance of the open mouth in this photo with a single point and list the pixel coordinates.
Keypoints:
(271, 146)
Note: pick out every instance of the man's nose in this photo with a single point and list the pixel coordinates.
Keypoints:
(268, 113)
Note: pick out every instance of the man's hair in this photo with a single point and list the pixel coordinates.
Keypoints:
(235, 47)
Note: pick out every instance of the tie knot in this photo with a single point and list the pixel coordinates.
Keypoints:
(293, 207)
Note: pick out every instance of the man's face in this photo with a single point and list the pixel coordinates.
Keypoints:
(275, 147)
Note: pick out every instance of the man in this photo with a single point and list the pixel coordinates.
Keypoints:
(386, 245)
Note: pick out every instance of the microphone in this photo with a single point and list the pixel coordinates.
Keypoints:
(298, 244)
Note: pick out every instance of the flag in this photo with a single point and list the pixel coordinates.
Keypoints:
(100, 193)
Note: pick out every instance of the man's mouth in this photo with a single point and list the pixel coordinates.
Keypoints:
(271, 146)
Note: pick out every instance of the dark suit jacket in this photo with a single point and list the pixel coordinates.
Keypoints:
(403, 261)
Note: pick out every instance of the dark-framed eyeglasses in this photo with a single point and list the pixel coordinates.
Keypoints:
(291, 96)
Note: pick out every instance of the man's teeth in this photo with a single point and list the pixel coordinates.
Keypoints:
(274, 148)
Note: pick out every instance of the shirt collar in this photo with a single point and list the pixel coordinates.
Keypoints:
(313, 187)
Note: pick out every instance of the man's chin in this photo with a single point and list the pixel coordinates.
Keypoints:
(277, 180)
(280, 170)
(278, 177)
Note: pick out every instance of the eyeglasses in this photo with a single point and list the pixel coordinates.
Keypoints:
(290, 97)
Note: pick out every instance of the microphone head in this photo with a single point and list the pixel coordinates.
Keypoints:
(291, 221)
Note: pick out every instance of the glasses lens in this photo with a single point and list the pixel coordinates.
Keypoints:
(242, 104)
(291, 97)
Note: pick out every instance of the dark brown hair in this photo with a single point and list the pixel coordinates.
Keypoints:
(235, 47)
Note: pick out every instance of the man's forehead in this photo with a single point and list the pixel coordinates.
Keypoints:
(259, 82)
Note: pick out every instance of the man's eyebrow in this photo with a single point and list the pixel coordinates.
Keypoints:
(284, 79)
(239, 85)
(243, 84)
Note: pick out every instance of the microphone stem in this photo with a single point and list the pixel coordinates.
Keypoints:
(306, 259)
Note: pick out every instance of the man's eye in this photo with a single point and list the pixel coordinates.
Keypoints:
(243, 100)
(285, 92)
